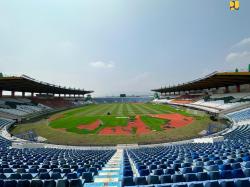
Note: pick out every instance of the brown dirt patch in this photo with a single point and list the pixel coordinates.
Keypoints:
(176, 120)
(91, 126)
(127, 130)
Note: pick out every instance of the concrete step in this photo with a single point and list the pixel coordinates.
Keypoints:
(111, 174)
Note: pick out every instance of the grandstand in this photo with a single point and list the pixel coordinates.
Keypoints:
(44, 97)
(214, 93)
(25, 84)
(225, 162)
(4, 122)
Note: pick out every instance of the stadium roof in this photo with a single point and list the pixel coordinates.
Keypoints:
(27, 84)
(214, 80)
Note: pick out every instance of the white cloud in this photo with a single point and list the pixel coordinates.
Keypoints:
(244, 42)
(238, 56)
(102, 64)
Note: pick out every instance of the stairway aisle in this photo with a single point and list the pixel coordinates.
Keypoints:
(111, 174)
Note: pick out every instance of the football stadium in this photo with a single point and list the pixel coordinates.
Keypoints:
(71, 117)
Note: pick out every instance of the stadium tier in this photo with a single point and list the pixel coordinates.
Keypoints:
(225, 163)
(240, 116)
(57, 102)
(213, 93)
(17, 108)
(4, 122)
(213, 103)
(187, 163)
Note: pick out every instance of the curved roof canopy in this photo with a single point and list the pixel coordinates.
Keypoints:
(214, 80)
(27, 84)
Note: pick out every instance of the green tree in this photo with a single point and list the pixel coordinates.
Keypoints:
(156, 95)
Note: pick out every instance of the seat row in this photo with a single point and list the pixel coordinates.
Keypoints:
(189, 177)
(42, 183)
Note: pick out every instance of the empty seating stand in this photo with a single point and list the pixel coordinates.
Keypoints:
(49, 167)
(221, 164)
(4, 122)
(239, 116)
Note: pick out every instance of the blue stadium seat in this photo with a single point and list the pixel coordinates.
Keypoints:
(186, 170)
(189, 177)
(212, 184)
(62, 183)
(236, 165)
(197, 169)
(226, 174)
(178, 178)
(225, 167)
(242, 183)
(169, 171)
(140, 180)
(165, 179)
(2, 176)
(55, 175)
(75, 183)
(214, 175)
(26, 176)
(49, 183)
(158, 172)
(87, 176)
(128, 181)
(93, 170)
(227, 184)
(23, 183)
(44, 175)
(10, 183)
(238, 173)
(15, 176)
(127, 173)
(247, 172)
(144, 172)
(153, 179)
(212, 168)
(202, 176)
(72, 176)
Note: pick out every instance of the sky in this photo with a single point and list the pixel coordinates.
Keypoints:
(122, 46)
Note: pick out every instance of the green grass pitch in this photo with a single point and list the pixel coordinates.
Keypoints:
(91, 113)
(70, 119)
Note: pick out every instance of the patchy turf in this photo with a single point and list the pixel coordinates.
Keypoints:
(87, 123)
(112, 119)
(127, 123)
(91, 126)
(154, 123)
(176, 120)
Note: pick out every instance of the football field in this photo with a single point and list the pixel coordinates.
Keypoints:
(117, 123)
(122, 109)
(117, 119)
